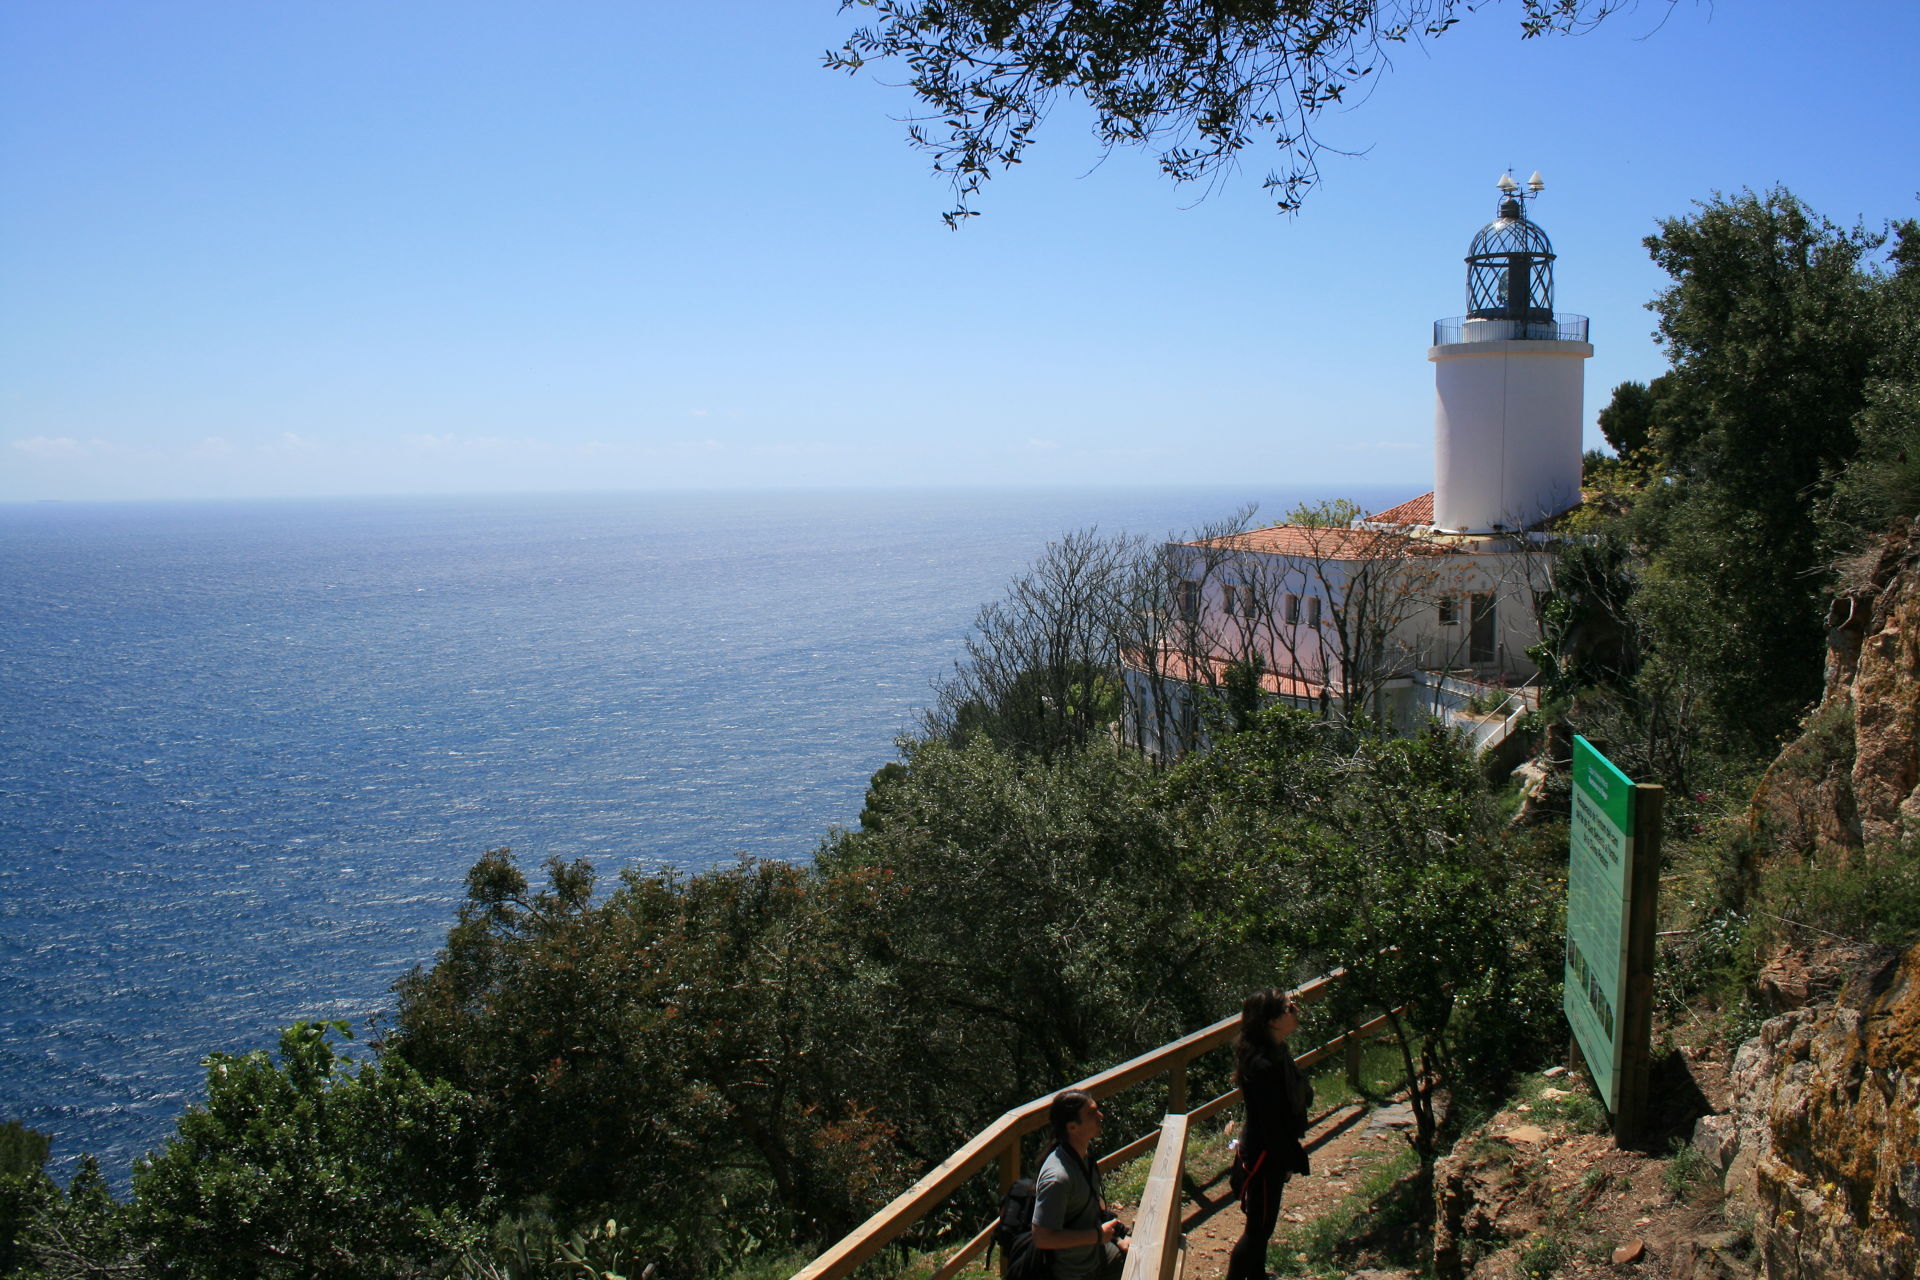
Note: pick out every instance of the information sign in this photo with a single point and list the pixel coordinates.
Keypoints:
(1599, 915)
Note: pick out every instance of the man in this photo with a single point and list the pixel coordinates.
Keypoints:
(1068, 1212)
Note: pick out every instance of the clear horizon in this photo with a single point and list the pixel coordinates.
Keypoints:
(374, 250)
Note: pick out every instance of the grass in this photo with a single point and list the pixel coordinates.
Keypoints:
(1381, 1072)
(1544, 1257)
(1575, 1108)
(1377, 1204)
(1686, 1169)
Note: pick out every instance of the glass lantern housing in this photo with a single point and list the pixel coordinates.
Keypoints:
(1510, 270)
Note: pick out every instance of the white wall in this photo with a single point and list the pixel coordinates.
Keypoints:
(1507, 418)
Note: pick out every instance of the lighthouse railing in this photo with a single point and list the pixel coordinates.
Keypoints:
(1562, 328)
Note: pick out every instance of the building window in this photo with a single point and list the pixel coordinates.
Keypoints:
(1227, 601)
(1313, 611)
(1449, 611)
(1293, 610)
(1189, 601)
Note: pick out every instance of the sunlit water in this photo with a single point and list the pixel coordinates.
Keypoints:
(248, 751)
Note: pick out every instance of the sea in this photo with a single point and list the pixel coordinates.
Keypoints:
(248, 750)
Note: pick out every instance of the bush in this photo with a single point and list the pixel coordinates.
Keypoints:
(1869, 895)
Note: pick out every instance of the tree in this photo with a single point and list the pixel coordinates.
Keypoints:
(1627, 421)
(1773, 336)
(649, 1056)
(1882, 483)
(1195, 81)
(1042, 667)
(23, 1154)
(306, 1168)
(1383, 856)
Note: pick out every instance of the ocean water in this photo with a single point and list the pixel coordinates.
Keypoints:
(248, 750)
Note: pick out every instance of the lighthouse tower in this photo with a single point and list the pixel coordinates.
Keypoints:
(1509, 379)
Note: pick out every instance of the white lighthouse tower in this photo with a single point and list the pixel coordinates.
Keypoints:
(1509, 379)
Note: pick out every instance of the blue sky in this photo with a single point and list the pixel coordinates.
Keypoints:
(255, 249)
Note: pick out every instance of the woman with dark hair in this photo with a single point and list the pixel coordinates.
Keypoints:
(1277, 1098)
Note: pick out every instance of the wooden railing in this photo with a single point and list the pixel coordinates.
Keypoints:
(999, 1143)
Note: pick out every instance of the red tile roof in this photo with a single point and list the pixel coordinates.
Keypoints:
(1413, 511)
(1176, 664)
(1322, 543)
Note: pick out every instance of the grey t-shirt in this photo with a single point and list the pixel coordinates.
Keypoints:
(1065, 1199)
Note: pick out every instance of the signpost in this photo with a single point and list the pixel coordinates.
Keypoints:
(1613, 864)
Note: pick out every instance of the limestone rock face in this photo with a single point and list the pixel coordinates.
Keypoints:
(1886, 700)
(1824, 1135)
(1853, 776)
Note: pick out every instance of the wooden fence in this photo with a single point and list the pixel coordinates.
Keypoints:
(1156, 1240)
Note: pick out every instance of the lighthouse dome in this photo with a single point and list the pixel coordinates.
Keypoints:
(1510, 269)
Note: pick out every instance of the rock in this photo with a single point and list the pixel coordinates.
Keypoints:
(1397, 1116)
(1718, 1139)
(1532, 1134)
(1853, 776)
(1825, 1130)
(1631, 1251)
(1793, 978)
(1552, 1073)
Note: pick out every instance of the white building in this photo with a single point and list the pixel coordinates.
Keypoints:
(1425, 610)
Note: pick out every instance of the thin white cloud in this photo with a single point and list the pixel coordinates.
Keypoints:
(58, 447)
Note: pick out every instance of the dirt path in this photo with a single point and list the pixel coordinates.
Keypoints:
(1345, 1145)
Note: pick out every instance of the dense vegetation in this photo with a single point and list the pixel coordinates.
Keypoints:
(740, 1064)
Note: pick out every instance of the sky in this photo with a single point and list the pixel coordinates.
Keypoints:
(304, 248)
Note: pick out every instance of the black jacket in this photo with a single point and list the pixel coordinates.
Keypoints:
(1278, 1098)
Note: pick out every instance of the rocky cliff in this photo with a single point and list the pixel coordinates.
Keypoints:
(1852, 776)
(1822, 1139)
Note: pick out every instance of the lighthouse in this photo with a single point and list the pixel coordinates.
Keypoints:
(1509, 379)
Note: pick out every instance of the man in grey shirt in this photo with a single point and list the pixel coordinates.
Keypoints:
(1085, 1243)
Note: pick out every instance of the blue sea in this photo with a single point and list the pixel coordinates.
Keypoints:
(249, 750)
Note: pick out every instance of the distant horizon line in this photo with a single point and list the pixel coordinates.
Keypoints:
(697, 490)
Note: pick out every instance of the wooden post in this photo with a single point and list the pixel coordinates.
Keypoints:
(1642, 922)
(1177, 1088)
(1353, 1060)
(1009, 1165)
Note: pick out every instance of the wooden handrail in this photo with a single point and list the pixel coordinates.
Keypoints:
(1002, 1137)
(1156, 1227)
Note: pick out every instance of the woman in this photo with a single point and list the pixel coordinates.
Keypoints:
(1277, 1098)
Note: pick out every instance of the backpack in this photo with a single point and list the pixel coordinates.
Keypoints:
(1014, 1234)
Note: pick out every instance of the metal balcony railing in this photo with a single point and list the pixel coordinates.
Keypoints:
(1563, 328)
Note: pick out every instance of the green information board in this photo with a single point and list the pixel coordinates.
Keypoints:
(1599, 914)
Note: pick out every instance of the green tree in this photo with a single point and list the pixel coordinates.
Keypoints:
(1627, 421)
(82, 1233)
(675, 1055)
(308, 1167)
(1772, 336)
(1383, 856)
(1882, 484)
(23, 1154)
(1027, 917)
(1196, 83)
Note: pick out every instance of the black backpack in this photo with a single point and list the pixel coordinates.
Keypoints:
(1014, 1234)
